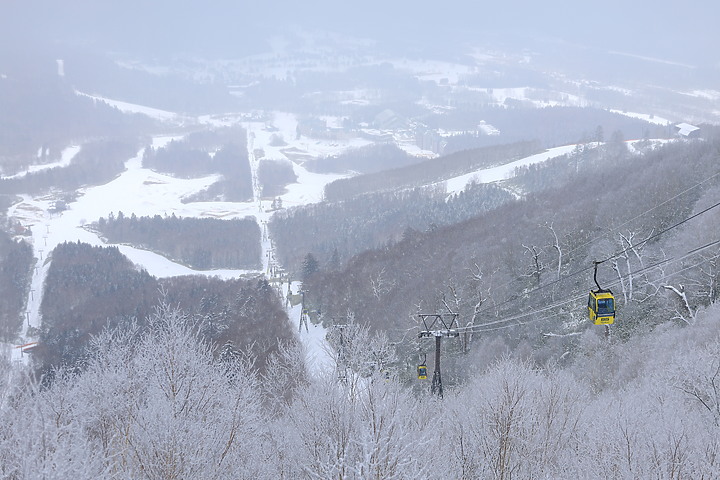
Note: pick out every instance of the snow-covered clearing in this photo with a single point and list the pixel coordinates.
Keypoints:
(644, 116)
(442, 73)
(313, 337)
(126, 107)
(528, 95)
(65, 158)
(502, 172)
(706, 94)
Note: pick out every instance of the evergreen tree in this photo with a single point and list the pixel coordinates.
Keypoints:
(310, 266)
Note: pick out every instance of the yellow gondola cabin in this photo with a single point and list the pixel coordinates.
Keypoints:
(601, 307)
(422, 372)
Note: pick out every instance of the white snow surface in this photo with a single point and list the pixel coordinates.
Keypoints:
(313, 338)
(65, 158)
(644, 116)
(502, 172)
(706, 94)
(126, 107)
(143, 192)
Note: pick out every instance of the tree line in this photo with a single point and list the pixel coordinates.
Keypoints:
(274, 176)
(429, 171)
(336, 231)
(42, 109)
(184, 159)
(88, 289)
(201, 243)
(532, 259)
(16, 261)
(157, 401)
(96, 163)
(363, 160)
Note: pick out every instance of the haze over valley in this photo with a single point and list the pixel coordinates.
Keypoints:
(232, 236)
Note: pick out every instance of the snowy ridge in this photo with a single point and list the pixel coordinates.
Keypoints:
(502, 172)
(126, 107)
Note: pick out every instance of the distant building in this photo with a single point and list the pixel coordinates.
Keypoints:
(377, 136)
(389, 120)
(686, 130)
(318, 128)
(19, 229)
(312, 127)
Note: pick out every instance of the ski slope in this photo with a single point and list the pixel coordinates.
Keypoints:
(143, 192)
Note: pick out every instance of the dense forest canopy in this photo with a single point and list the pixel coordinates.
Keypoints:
(429, 171)
(16, 258)
(545, 245)
(143, 404)
(233, 243)
(89, 289)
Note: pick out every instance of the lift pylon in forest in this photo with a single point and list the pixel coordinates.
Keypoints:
(304, 314)
(341, 366)
(438, 325)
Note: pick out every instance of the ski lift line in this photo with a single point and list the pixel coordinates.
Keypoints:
(581, 295)
(615, 255)
(481, 329)
(472, 329)
(517, 323)
(708, 245)
(536, 289)
(567, 300)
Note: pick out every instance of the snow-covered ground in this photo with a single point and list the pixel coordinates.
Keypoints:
(143, 192)
(644, 116)
(502, 172)
(312, 336)
(65, 158)
(126, 107)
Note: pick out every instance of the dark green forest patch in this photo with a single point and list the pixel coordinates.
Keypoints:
(201, 243)
(90, 288)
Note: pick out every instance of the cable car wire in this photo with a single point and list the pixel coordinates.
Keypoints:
(615, 229)
(570, 275)
(607, 234)
(474, 328)
(480, 329)
(610, 257)
(615, 255)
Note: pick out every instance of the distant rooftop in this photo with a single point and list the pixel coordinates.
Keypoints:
(685, 129)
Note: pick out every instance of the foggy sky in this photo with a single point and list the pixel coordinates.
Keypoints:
(666, 29)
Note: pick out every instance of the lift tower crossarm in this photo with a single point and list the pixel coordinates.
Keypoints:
(438, 325)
